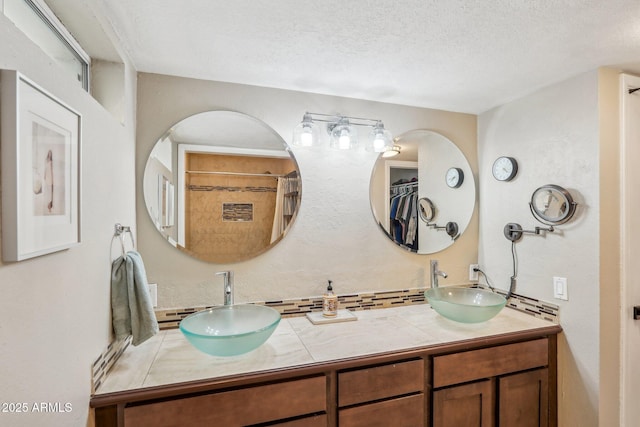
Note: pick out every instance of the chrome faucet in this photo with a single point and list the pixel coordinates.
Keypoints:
(435, 273)
(228, 286)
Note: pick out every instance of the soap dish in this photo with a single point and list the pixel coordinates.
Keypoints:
(343, 316)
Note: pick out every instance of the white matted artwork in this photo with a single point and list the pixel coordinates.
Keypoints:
(40, 170)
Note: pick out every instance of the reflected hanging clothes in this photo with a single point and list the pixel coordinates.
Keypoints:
(403, 215)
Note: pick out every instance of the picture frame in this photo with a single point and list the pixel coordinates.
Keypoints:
(40, 138)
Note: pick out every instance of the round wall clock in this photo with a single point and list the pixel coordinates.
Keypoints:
(454, 177)
(505, 168)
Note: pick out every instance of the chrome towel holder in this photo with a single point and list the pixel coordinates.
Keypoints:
(119, 231)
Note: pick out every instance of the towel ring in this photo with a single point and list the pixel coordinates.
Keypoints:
(120, 231)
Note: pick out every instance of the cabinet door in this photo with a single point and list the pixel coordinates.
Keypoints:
(524, 399)
(469, 405)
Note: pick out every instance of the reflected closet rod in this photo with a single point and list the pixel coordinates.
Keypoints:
(272, 175)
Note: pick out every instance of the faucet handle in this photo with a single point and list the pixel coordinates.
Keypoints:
(227, 274)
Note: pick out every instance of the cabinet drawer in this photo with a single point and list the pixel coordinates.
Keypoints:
(365, 385)
(251, 405)
(313, 421)
(489, 362)
(405, 411)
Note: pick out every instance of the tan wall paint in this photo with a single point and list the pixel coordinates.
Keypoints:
(335, 235)
(609, 119)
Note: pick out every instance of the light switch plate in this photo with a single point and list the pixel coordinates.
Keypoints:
(560, 288)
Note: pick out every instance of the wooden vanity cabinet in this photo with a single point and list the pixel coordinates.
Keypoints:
(505, 385)
(302, 399)
(506, 381)
(465, 405)
(387, 395)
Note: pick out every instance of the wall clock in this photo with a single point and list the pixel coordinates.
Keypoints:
(505, 168)
(454, 177)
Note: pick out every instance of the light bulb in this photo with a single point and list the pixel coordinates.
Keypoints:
(306, 133)
(380, 139)
(344, 141)
(379, 143)
(343, 136)
(306, 137)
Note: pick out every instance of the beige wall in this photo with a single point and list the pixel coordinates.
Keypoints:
(610, 276)
(55, 308)
(565, 134)
(335, 235)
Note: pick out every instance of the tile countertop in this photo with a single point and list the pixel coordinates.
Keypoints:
(168, 358)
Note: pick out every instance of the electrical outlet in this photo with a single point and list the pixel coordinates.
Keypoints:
(153, 294)
(560, 288)
(473, 275)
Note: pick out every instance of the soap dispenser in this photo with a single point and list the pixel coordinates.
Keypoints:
(329, 302)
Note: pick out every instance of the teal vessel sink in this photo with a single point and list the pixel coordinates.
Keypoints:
(230, 330)
(466, 305)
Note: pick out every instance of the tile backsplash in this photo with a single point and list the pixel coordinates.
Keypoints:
(170, 318)
(106, 360)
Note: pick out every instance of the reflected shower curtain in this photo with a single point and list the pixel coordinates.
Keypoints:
(286, 203)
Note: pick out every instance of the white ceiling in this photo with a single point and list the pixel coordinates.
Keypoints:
(458, 55)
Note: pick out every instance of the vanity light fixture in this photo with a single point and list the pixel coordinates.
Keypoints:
(342, 132)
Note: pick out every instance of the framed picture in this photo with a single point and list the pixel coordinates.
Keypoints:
(40, 141)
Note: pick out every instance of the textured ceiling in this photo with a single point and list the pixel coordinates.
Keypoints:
(458, 55)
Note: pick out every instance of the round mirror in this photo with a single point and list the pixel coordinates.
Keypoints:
(222, 186)
(452, 230)
(552, 205)
(426, 210)
(406, 190)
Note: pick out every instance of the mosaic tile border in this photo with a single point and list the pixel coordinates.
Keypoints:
(534, 307)
(106, 360)
(170, 318)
